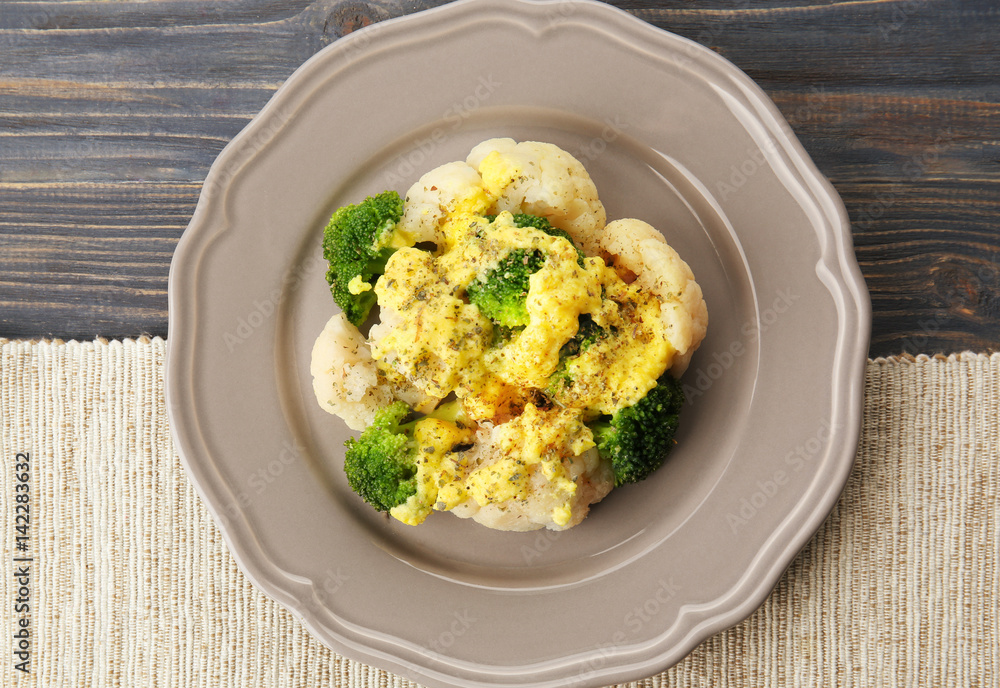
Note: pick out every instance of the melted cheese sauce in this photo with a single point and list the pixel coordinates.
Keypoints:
(535, 444)
(439, 338)
(439, 470)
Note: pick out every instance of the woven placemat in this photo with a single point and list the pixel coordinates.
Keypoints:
(129, 582)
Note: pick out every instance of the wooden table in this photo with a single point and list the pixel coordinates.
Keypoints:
(111, 114)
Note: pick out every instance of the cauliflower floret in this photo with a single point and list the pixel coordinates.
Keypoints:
(539, 470)
(452, 188)
(642, 250)
(593, 478)
(542, 179)
(347, 382)
(500, 174)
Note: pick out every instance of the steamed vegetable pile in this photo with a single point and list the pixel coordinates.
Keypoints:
(503, 352)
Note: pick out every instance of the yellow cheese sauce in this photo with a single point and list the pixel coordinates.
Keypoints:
(498, 172)
(536, 441)
(439, 470)
(560, 292)
(439, 338)
(618, 370)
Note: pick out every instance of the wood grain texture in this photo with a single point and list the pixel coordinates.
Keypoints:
(112, 113)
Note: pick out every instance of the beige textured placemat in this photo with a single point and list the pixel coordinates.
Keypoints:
(130, 583)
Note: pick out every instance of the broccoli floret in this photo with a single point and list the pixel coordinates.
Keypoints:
(638, 438)
(381, 464)
(501, 294)
(355, 244)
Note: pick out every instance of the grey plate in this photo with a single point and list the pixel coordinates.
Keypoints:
(672, 134)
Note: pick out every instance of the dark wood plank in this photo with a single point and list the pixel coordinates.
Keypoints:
(922, 188)
(88, 259)
(112, 113)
